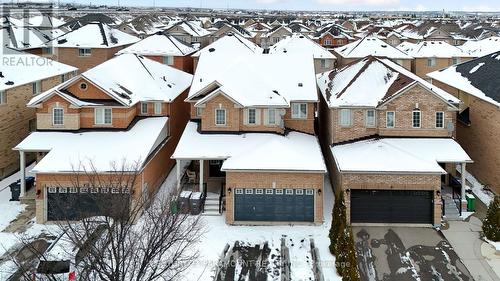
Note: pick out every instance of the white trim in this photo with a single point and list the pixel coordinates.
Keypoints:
(279, 191)
(269, 191)
(103, 113)
(155, 105)
(340, 117)
(82, 52)
(225, 121)
(374, 118)
(248, 190)
(298, 115)
(259, 191)
(53, 116)
(142, 109)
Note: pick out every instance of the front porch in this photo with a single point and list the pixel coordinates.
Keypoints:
(454, 191)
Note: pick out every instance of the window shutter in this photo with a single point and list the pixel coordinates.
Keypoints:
(257, 116)
(245, 116)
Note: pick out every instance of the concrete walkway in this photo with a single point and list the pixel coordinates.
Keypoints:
(464, 237)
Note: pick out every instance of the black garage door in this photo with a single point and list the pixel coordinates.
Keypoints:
(391, 206)
(255, 204)
(71, 203)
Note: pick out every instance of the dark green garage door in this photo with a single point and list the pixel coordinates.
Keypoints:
(71, 203)
(391, 206)
(255, 204)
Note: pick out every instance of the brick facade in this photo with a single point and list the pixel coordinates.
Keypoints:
(420, 65)
(184, 63)
(71, 57)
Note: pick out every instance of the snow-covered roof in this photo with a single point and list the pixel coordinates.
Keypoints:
(398, 155)
(231, 45)
(20, 68)
(24, 37)
(190, 27)
(94, 35)
(160, 45)
(298, 43)
(144, 80)
(370, 46)
(430, 49)
(253, 151)
(478, 77)
(69, 152)
(370, 82)
(479, 48)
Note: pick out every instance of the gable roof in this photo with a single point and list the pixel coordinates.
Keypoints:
(482, 47)
(160, 45)
(478, 77)
(298, 43)
(190, 28)
(370, 46)
(429, 49)
(230, 45)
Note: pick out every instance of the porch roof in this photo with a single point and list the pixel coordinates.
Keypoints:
(252, 151)
(399, 155)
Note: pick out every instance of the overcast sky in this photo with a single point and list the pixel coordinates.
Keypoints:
(331, 5)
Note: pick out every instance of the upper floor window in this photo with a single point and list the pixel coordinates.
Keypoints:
(299, 110)
(103, 116)
(271, 116)
(345, 117)
(325, 63)
(440, 119)
(57, 116)
(220, 116)
(47, 50)
(252, 116)
(84, 52)
(390, 119)
(328, 42)
(168, 60)
(456, 60)
(37, 87)
(157, 108)
(144, 108)
(370, 118)
(3, 97)
(416, 115)
(431, 62)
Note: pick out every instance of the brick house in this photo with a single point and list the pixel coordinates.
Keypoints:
(475, 83)
(190, 32)
(388, 138)
(99, 120)
(23, 76)
(273, 36)
(165, 49)
(251, 139)
(222, 28)
(332, 36)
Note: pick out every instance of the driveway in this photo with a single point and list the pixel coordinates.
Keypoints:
(406, 253)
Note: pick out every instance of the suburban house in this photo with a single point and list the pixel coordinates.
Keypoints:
(23, 76)
(332, 36)
(476, 84)
(88, 46)
(104, 122)
(389, 143)
(142, 26)
(189, 32)
(371, 46)
(274, 35)
(324, 60)
(432, 55)
(222, 28)
(251, 144)
(165, 49)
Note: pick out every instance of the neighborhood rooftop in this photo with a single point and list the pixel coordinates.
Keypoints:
(160, 45)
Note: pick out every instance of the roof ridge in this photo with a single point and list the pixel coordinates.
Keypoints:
(370, 60)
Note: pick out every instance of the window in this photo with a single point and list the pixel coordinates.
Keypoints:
(83, 86)
(52, 189)
(309, 191)
(73, 190)
(144, 108)
(157, 108)
(252, 118)
(37, 87)
(84, 52)
(259, 191)
(238, 191)
(94, 190)
(456, 60)
(328, 42)
(47, 51)
(345, 117)
(3, 97)
(299, 192)
(103, 116)
(65, 77)
(199, 111)
(279, 191)
(104, 190)
(325, 63)
(83, 189)
(299, 110)
(289, 191)
(220, 116)
(248, 191)
(269, 191)
(370, 118)
(271, 116)
(431, 62)
(416, 119)
(63, 190)
(440, 119)
(57, 116)
(115, 190)
(168, 60)
(390, 119)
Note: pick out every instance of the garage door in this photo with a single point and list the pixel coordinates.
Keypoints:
(391, 206)
(256, 204)
(72, 203)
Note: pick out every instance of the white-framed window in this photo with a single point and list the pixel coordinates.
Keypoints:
(370, 118)
(439, 119)
(271, 116)
(269, 191)
(84, 189)
(259, 191)
(48, 50)
(199, 111)
(456, 60)
(103, 116)
(168, 60)
(431, 62)
(220, 116)
(57, 116)
(94, 190)
(144, 108)
(252, 116)
(84, 52)
(73, 189)
(328, 42)
(345, 117)
(390, 119)
(309, 191)
(299, 110)
(52, 189)
(239, 191)
(325, 63)
(289, 191)
(248, 191)
(65, 77)
(63, 190)
(125, 190)
(37, 87)
(115, 190)
(279, 191)
(299, 191)
(416, 119)
(104, 190)
(157, 108)
(3, 97)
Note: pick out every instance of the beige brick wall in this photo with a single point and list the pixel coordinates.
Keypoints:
(98, 55)
(421, 69)
(278, 180)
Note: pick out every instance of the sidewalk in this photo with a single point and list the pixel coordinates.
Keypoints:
(464, 237)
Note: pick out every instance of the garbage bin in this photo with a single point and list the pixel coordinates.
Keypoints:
(471, 202)
(30, 182)
(15, 190)
(173, 207)
(195, 202)
(183, 202)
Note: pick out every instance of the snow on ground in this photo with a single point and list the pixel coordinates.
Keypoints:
(496, 245)
(485, 195)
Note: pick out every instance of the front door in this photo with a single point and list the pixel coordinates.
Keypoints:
(214, 170)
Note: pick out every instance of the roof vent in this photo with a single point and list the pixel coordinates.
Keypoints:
(301, 36)
(9, 83)
(274, 91)
(384, 46)
(211, 50)
(300, 84)
(230, 34)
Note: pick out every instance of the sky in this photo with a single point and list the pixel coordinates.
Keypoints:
(328, 5)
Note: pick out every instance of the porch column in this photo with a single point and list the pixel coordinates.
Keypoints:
(22, 168)
(201, 175)
(178, 168)
(462, 175)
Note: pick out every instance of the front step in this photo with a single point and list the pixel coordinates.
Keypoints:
(211, 207)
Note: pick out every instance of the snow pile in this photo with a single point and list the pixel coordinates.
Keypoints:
(475, 68)
(160, 45)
